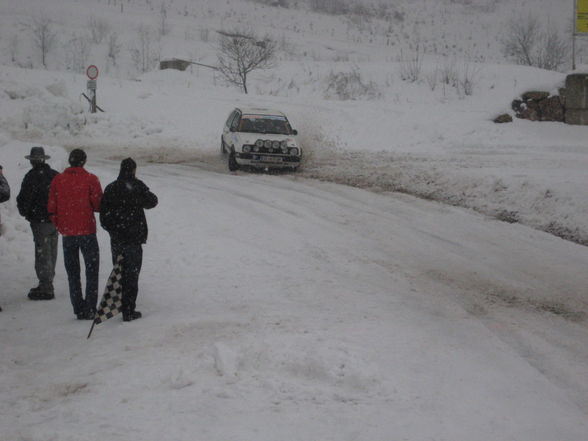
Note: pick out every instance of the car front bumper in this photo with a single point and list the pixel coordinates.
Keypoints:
(264, 160)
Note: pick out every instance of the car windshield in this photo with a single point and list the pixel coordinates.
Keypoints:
(277, 125)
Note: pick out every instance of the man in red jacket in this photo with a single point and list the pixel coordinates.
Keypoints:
(74, 197)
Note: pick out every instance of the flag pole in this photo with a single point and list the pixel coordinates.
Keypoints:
(111, 303)
(91, 329)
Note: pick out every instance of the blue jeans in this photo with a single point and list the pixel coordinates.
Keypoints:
(88, 245)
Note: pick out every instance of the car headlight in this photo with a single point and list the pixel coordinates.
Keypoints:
(259, 143)
(267, 143)
(294, 151)
(256, 148)
(246, 148)
(276, 145)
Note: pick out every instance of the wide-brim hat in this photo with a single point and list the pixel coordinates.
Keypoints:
(37, 153)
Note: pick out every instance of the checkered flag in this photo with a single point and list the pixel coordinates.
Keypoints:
(111, 303)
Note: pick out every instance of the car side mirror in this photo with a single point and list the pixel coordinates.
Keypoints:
(295, 132)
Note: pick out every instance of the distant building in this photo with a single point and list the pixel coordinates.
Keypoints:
(174, 63)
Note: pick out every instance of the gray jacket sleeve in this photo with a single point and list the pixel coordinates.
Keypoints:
(4, 188)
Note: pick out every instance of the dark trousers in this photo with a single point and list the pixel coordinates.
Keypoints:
(45, 238)
(88, 245)
(132, 255)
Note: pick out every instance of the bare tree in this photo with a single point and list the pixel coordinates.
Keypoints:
(522, 35)
(163, 26)
(527, 43)
(554, 51)
(113, 47)
(98, 29)
(144, 56)
(13, 47)
(240, 53)
(78, 50)
(43, 36)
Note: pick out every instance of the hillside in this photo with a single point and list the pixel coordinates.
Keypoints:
(376, 31)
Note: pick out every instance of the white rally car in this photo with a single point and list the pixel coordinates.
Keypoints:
(260, 138)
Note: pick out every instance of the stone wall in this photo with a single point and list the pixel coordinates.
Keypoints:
(570, 106)
(576, 99)
(539, 106)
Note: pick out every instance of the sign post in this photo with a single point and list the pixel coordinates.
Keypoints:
(92, 73)
(581, 18)
(580, 25)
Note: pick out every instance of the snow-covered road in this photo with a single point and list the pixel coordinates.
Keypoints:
(277, 307)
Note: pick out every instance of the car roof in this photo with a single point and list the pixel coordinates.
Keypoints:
(260, 111)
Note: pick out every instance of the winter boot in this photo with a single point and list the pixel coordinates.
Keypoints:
(42, 292)
(130, 316)
(34, 290)
(86, 315)
(41, 295)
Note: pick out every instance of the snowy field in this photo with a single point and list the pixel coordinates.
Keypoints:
(328, 313)
(286, 306)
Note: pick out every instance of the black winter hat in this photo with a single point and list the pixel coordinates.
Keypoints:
(77, 158)
(37, 154)
(127, 168)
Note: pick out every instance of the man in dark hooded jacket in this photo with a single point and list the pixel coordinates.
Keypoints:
(122, 215)
(32, 205)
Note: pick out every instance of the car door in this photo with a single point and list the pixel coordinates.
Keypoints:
(227, 128)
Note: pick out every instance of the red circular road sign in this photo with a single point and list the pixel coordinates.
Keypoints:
(92, 72)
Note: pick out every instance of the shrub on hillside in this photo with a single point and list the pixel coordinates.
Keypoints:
(276, 3)
(529, 43)
(333, 7)
(411, 66)
(356, 8)
(349, 86)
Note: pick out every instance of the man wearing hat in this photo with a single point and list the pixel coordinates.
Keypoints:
(74, 197)
(32, 204)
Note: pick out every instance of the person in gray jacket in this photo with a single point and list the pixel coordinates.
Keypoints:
(32, 204)
(4, 193)
(4, 187)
